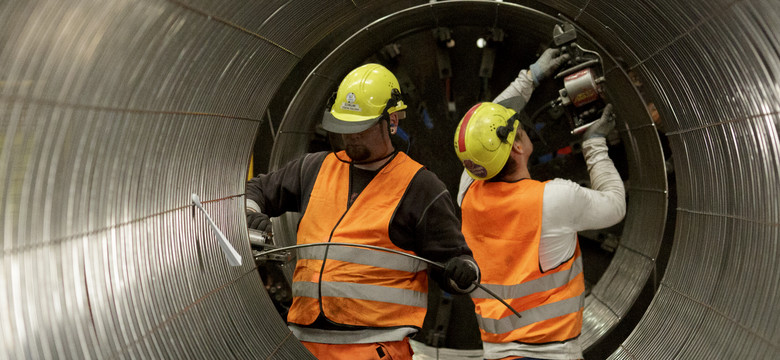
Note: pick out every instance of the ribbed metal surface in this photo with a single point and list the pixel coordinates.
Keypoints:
(113, 113)
(714, 83)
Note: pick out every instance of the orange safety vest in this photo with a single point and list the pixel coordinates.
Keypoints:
(350, 285)
(502, 224)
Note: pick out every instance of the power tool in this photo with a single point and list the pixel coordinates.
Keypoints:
(582, 95)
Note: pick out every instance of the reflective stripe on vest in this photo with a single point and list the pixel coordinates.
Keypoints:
(363, 256)
(362, 292)
(531, 316)
(502, 226)
(349, 285)
(544, 283)
(536, 314)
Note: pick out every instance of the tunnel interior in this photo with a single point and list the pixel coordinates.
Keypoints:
(113, 113)
(442, 73)
(417, 29)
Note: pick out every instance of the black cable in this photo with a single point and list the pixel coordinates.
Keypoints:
(540, 109)
(438, 265)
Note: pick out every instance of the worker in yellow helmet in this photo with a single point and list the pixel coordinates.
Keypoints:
(524, 232)
(357, 303)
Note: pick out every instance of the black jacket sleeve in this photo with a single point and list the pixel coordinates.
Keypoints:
(426, 222)
(287, 188)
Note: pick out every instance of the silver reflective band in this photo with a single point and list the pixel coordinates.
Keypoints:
(305, 289)
(544, 283)
(362, 292)
(351, 336)
(530, 316)
(361, 256)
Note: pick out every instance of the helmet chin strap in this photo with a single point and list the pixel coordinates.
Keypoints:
(390, 131)
(352, 162)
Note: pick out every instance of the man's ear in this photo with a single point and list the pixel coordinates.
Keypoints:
(517, 145)
(394, 119)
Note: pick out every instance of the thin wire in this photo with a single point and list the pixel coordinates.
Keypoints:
(438, 265)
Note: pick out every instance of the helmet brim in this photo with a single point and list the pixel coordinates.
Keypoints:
(348, 125)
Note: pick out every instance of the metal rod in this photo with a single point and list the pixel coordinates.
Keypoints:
(259, 238)
(438, 265)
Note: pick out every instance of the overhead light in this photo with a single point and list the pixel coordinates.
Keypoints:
(481, 42)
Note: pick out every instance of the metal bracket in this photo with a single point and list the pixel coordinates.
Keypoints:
(281, 257)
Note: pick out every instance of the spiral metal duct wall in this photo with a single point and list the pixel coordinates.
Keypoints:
(113, 113)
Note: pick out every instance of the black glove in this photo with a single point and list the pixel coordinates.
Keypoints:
(258, 220)
(462, 271)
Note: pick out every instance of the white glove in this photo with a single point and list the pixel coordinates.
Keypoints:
(602, 126)
(550, 60)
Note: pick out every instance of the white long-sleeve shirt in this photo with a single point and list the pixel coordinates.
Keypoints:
(517, 94)
(567, 208)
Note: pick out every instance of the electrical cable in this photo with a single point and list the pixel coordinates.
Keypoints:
(433, 263)
(542, 108)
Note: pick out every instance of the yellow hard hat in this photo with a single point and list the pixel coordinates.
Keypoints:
(484, 137)
(365, 95)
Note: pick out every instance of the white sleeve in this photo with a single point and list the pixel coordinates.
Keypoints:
(465, 182)
(607, 199)
(517, 94)
(569, 207)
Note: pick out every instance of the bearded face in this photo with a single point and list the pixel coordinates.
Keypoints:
(366, 145)
(358, 152)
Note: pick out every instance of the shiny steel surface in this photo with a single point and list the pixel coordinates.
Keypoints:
(113, 112)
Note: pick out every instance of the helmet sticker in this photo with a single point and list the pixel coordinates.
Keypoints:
(350, 104)
(475, 169)
(464, 125)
